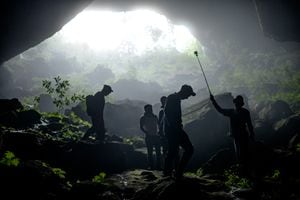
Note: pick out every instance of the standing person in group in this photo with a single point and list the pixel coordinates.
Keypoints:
(95, 107)
(161, 133)
(174, 132)
(149, 125)
(241, 128)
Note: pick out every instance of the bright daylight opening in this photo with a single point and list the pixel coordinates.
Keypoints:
(138, 30)
(141, 53)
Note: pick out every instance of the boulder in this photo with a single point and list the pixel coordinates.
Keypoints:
(285, 129)
(32, 180)
(86, 159)
(294, 142)
(46, 103)
(28, 118)
(187, 188)
(80, 159)
(120, 119)
(263, 131)
(223, 159)
(209, 131)
(8, 105)
(275, 111)
(9, 111)
(127, 117)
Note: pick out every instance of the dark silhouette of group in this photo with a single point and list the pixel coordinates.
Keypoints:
(166, 131)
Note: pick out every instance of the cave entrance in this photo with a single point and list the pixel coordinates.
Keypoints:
(141, 53)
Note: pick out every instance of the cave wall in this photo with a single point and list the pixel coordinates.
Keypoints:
(26, 23)
(279, 19)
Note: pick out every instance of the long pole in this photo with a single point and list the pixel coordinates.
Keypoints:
(196, 54)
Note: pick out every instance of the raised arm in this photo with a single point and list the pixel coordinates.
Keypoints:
(225, 112)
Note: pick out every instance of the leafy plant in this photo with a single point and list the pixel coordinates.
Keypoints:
(9, 159)
(136, 141)
(99, 178)
(59, 91)
(78, 121)
(276, 174)
(59, 172)
(56, 115)
(70, 135)
(200, 172)
(232, 179)
(298, 148)
(191, 174)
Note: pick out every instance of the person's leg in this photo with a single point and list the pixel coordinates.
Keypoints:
(164, 144)
(91, 130)
(158, 152)
(100, 130)
(188, 148)
(244, 154)
(149, 146)
(237, 149)
(173, 148)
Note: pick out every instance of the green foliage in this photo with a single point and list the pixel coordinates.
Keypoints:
(298, 147)
(70, 135)
(233, 179)
(276, 174)
(99, 178)
(78, 121)
(59, 172)
(53, 115)
(136, 141)
(9, 159)
(191, 174)
(73, 125)
(59, 90)
(200, 172)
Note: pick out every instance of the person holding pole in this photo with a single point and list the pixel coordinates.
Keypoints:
(240, 124)
(240, 127)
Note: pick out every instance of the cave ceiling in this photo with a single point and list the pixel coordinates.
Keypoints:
(26, 23)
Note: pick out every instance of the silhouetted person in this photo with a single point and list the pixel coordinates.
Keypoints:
(240, 125)
(161, 133)
(95, 108)
(174, 132)
(149, 125)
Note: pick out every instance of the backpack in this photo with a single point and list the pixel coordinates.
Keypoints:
(90, 101)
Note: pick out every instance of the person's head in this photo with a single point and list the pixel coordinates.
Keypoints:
(163, 100)
(238, 101)
(106, 90)
(186, 91)
(148, 108)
